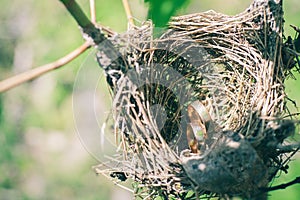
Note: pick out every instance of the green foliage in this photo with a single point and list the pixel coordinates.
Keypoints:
(160, 11)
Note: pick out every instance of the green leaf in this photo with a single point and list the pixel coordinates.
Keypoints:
(160, 11)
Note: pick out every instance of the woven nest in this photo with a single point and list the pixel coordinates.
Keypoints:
(199, 110)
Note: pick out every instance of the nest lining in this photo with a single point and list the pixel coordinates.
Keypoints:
(229, 65)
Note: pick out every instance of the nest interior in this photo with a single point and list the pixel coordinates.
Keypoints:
(201, 106)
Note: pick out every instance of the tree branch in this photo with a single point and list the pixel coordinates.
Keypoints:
(77, 13)
(38, 71)
(87, 26)
(282, 186)
(108, 56)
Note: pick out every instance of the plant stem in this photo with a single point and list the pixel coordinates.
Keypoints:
(93, 11)
(128, 12)
(18, 79)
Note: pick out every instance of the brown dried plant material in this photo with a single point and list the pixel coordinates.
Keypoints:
(229, 66)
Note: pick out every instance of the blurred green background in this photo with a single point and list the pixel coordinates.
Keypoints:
(41, 156)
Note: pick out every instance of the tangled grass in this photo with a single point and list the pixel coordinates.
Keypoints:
(199, 109)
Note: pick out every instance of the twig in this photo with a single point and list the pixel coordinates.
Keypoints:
(107, 30)
(128, 12)
(282, 186)
(93, 11)
(87, 26)
(38, 71)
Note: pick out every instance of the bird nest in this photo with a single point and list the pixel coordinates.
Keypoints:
(199, 108)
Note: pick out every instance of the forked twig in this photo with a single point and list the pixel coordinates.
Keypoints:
(38, 71)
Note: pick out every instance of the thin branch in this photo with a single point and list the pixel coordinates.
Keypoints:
(38, 71)
(93, 11)
(128, 12)
(283, 186)
(107, 30)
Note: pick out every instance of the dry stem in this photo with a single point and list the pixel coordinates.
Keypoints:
(38, 71)
(128, 12)
(93, 11)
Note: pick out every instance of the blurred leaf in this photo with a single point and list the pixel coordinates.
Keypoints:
(160, 11)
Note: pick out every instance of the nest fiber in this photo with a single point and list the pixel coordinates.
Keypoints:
(198, 107)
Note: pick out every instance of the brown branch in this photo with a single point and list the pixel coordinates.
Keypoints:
(87, 26)
(38, 71)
